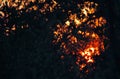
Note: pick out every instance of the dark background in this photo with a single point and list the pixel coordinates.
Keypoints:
(29, 54)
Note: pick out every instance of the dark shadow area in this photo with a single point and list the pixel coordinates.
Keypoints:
(29, 54)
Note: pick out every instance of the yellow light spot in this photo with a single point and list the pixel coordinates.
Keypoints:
(77, 21)
(90, 61)
(93, 35)
(79, 32)
(2, 14)
(67, 23)
(7, 30)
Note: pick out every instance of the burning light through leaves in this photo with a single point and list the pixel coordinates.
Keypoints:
(77, 36)
(21, 7)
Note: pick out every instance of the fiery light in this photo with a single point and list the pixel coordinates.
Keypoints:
(77, 36)
(26, 6)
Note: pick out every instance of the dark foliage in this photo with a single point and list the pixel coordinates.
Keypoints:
(29, 54)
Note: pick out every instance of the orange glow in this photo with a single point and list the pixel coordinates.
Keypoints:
(13, 28)
(82, 66)
(24, 6)
(78, 34)
(2, 14)
(92, 43)
(77, 22)
(73, 39)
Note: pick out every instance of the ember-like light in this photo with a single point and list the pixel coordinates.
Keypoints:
(20, 6)
(77, 35)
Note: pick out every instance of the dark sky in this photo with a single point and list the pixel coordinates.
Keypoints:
(29, 54)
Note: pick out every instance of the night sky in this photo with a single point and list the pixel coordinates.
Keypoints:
(30, 54)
